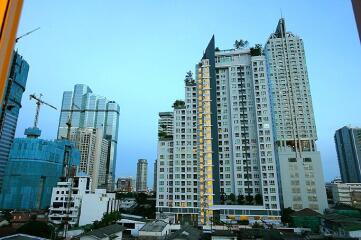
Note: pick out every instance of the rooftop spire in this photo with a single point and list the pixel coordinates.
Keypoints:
(281, 28)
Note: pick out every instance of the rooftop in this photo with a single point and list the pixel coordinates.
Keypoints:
(186, 233)
(156, 226)
(105, 231)
(20, 236)
(306, 212)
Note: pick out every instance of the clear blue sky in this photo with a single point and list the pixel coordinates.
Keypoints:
(137, 53)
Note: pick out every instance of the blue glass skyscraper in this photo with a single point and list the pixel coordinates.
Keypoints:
(88, 110)
(10, 110)
(34, 168)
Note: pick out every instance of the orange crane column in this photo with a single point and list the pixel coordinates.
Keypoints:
(10, 11)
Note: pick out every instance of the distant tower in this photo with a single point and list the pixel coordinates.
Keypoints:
(348, 146)
(93, 151)
(89, 110)
(142, 174)
(15, 88)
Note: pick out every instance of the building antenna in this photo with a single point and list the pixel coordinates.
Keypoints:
(281, 12)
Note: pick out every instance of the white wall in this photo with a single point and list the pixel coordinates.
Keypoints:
(93, 207)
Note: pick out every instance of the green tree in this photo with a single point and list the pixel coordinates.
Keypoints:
(108, 219)
(257, 225)
(240, 44)
(39, 229)
(244, 222)
(223, 197)
(286, 215)
(178, 104)
(240, 199)
(249, 199)
(141, 198)
(258, 199)
(256, 50)
(232, 197)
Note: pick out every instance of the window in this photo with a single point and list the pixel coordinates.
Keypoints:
(292, 160)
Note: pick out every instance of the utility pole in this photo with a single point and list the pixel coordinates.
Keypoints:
(68, 178)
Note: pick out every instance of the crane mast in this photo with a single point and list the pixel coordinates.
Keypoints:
(39, 102)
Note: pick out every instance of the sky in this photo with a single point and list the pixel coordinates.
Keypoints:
(137, 53)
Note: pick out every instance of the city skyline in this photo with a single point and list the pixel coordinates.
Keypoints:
(141, 90)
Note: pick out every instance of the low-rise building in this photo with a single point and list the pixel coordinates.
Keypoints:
(132, 224)
(76, 193)
(306, 218)
(238, 213)
(340, 226)
(346, 193)
(158, 228)
(19, 218)
(127, 203)
(20, 236)
(111, 232)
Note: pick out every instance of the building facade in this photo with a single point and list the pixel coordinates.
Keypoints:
(124, 184)
(222, 142)
(299, 161)
(155, 175)
(88, 110)
(93, 154)
(34, 168)
(346, 193)
(81, 210)
(142, 176)
(348, 147)
(12, 103)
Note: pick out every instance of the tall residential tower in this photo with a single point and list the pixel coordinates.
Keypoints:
(221, 144)
(300, 167)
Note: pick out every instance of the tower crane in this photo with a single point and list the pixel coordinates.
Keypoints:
(26, 34)
(39, 102)
(6, 105)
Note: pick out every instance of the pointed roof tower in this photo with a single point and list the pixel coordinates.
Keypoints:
(281, 28)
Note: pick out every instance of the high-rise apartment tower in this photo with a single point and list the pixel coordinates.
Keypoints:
(299, 161)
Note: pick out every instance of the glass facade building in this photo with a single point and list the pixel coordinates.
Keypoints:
(12, 103)
(348, 146)
(88, 110)
(34, 168)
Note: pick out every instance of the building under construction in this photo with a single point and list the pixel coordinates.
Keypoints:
(35, 166)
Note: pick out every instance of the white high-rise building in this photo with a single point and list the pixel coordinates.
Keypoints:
(93, 154)
(300, 168)
(222, 142)
(247, 164)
